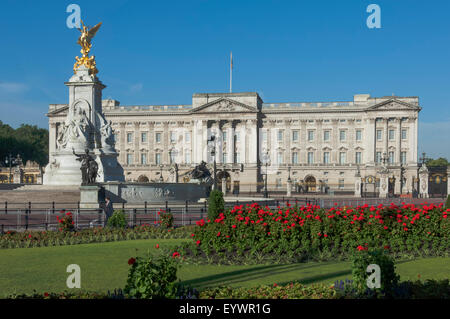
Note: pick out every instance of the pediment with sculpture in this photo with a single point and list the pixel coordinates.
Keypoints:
(224, 105)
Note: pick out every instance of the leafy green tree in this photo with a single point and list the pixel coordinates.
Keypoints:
(29, 141)
(441, 161)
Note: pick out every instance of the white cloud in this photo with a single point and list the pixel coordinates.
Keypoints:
(434, 139)
(12, 87)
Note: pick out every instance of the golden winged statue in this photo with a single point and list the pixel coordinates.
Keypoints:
(85, 42)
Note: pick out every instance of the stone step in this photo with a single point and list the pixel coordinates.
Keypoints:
(64, 195)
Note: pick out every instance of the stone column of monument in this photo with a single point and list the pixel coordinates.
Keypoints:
(423, 181)
(85, 128)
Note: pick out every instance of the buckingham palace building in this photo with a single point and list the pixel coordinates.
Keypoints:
(319, 147)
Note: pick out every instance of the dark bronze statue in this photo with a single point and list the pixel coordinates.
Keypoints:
(200, 171)
(89, 167)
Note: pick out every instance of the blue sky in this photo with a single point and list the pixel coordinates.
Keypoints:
(161, 52)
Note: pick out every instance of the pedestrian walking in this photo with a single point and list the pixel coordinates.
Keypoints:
(108, 209)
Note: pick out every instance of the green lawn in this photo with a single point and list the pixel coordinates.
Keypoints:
(104, 266)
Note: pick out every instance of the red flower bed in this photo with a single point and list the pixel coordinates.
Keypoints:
(310, 230)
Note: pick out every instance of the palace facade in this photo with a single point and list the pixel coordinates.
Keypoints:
(324, 146)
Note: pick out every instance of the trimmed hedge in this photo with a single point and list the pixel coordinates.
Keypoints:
(430, 289)
(29, 239)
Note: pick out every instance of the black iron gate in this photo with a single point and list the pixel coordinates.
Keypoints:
(437, 181)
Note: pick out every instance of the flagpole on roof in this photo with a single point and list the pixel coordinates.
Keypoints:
(231, 71)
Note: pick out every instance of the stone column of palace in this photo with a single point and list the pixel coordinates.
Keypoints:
(137, 135)
(165, 143)
(220, 146)
(334, 141)
(195, 141)
(151, 140)
(410, 157)
(123, 153)
(386, 135)
(351, 157)
(397, 158)
(215, 130)
(303, 159)
(181, 144)
(319, 141)
(242, 141)
(287, 142)
(415, 145)
(204, 141)
(399, 140)
(230, 142)
(370, 141)
(253, 141)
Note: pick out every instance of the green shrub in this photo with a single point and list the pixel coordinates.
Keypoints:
(216, 204)
(118, 219)
(150, 278)
(447, 203)
(388, 278)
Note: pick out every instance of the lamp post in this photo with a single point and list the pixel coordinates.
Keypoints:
(402, 176)
(212, 145)
(161, 179)
(266, 162)
(384, 159)
(11, 161)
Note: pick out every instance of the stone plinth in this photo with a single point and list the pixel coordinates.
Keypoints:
(384, 185)
(448, 181)
(288, 188)
(154, 192)
(224, 186)
(90, 196)
(358, 185)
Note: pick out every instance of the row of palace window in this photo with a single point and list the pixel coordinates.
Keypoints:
(173, 137)
(172, 158)
(158, 137)
(391, 134)
(391, 157)
(342, 135)
(280, 136)
(311, 135)
(342, 157)
(280, 158)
